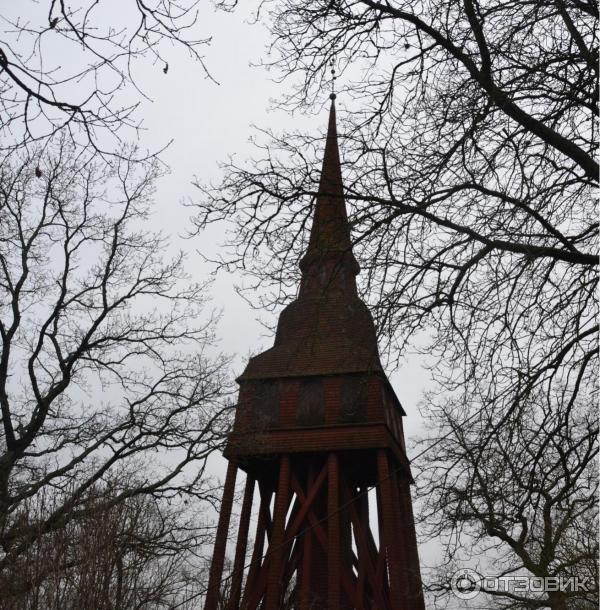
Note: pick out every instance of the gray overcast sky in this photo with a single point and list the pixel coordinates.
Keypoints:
(209, 122)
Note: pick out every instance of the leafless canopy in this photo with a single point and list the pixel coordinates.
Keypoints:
(112, 394)
(136, 553)
(75, 66)
(106, 359)
(469, 148)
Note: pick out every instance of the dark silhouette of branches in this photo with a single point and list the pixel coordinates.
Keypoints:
(137, 553)
(74, 67)
(519, 501)
(106, 358)
(469, 148)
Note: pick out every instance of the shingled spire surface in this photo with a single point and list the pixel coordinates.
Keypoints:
(330, 230)
(327, 329)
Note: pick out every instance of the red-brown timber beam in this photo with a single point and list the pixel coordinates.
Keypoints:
(333, 532)
(216, 569)
(389, 541)
(276, 554)
(262, 527)
(242, 541)
(307, 544)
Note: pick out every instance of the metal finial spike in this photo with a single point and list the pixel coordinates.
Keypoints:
(333, 77)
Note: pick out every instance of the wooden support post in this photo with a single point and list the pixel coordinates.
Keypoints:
(216, 569)
(403, 541)
(259, 542)
(389, 529)
(347, 557)
(363, 503)
(240, 551)
(415, 586)
(367, 557)
(333, 533)
(276, 546)
(359, 561)
(362, 509)
(381, 566)
(307, 546)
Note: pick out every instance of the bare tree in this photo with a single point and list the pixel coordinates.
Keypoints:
(515, 500)
(137, 553)
(74, 66)
(108, 369)
(107, 364)
(469, 165)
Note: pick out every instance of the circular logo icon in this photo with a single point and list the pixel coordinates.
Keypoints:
(465, 584)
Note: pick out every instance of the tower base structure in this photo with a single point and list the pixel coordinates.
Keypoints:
(314, 545)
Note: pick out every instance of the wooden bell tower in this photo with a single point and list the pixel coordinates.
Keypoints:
(318, 424)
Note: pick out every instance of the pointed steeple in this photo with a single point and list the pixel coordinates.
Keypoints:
(327, 330)
(330, 246)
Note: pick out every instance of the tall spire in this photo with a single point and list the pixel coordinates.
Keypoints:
(330, 233)
(327, 329)
(317, 423)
